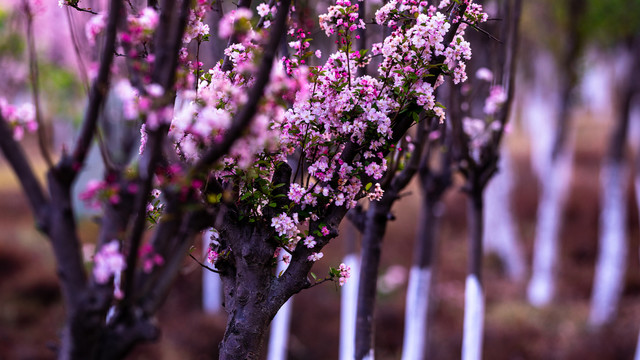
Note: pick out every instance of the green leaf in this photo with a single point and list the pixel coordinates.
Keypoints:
(366, 188)
(314, 276)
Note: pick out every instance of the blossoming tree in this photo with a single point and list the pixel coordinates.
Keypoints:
(271, 154)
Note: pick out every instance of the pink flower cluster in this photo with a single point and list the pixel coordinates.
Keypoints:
(98, 191)
(108, 262)
(196, 28)
(345, 273)
(341, 16)
(19, 118)
(149, 258)
(497, 97)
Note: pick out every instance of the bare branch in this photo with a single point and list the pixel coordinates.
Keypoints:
(30, 184)
(203, 265)
(98, 90)
(167, 50)
(35, 88)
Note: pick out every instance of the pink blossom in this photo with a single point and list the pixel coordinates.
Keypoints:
(108, 262)
(315, 256)
(94, 26)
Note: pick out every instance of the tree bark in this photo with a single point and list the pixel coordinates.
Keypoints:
(376, 221)
(349, 297)
(474, 294)
(612, 253)
(418, 301)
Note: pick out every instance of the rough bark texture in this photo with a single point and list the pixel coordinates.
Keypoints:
(376, 221)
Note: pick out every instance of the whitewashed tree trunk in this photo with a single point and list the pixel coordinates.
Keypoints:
(416, 314)
(541, 289)
(541, 109)
(211, 283)
(279, 336)
(500, 232)
(637, 189)
(612, 251)
(418, 300)
(473, 326)
(348, 308)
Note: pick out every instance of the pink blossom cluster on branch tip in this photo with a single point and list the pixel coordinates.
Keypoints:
(345, 273)
(20, 118)
(109, 262)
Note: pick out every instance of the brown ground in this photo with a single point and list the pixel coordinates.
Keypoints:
(31, 312)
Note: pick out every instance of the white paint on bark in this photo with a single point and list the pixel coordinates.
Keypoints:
(211, 283)
(612, 248)
(279, 336)
(554, 178)
(637, 356)
(348, 309)
(541, 289)
(369, 356)
(416, 314)
(636, 183)
(499, 226)
(473, 326)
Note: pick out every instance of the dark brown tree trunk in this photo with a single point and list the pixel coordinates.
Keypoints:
(376, 224)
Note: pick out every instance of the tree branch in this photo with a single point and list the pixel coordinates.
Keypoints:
(30, 184)
(243, 117)
(98, 90)
(35, 87)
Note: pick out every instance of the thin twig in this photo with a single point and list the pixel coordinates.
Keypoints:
(14, 153)
(76, 48)
(87, 10)
(98, 90)
(205, 266)
(35, 88)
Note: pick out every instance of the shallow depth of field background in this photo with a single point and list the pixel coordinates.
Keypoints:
(31, 313)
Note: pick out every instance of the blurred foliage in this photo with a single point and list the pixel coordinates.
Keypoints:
(62, 91)
(11, 43)
(60, 86)
(609, 22)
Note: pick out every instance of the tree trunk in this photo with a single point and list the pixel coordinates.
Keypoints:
(612, 255)
(541, 288)
(279, 336)
(500, 233)
(349, 297)
(416, 319)
(612, 251)
(211, 284)
(376, 224)
(474, 297)
(247, 284)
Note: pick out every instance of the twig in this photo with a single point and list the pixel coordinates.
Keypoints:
(30, 184)
(33, 74)
(87, 10)
(74, 40)
(98, 90)
(204, 266)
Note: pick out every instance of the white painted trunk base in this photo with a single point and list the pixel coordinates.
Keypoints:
(348, 309)
(612, 248)
(211, 283)
(416, 314)
(541, 289)
(279, 336)
(637, 188)
(500, 235)
(473, 327)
